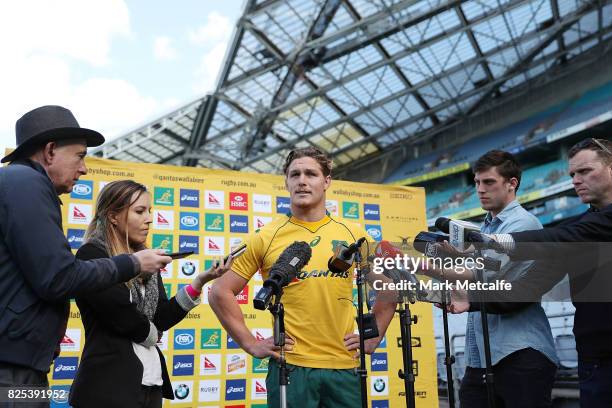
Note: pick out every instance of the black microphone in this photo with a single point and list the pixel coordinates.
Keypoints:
(463, 233)
(424, 240)
(425, 243)
(284, 270)
(342, 260)
(443, 224)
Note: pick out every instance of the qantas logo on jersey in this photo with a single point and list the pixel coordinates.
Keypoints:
(321, 274)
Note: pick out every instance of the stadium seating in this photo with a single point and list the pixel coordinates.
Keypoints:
(514, 138)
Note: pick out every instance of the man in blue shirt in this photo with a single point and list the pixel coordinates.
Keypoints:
(522, 348)
(580, 248)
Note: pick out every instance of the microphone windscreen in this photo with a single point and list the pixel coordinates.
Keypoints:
(443, 224)
(385, 249)
(291, 261)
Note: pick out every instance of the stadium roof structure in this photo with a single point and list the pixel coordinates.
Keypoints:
(360, 77)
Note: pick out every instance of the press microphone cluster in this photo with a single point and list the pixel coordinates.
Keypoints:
(425, 243)
(404, 279)
(386, 250)
(285, 269)
(462, 234)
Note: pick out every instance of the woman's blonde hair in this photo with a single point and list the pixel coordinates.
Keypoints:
(114, 199)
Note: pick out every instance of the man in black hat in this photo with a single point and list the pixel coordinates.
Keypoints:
(38, 272)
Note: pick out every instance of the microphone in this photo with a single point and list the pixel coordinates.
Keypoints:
(284, 270)
(462, 233)
(459, 232)
(425, 243)
(423, 238)
(413, 290)
(384, 250)
(342, 260)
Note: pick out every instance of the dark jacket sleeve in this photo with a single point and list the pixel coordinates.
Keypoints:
(168, 312)
(593, 226)
(112, 306)
(528, 289)
(31, 227)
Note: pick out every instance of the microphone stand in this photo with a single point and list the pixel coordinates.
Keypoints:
(406, 320)
(278, 311)
(489, 377)
(449, 359)
(362, 371)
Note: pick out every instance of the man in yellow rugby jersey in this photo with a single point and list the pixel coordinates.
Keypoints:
(321, 347)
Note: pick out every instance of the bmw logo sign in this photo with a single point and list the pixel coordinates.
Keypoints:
(182, 391)
(379, 385)
(188, 268)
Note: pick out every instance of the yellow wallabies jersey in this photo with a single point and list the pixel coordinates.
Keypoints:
(318, 304)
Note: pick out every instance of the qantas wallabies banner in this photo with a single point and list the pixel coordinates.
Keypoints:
(211, 211)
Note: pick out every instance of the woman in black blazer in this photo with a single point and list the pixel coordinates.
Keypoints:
(121, 365)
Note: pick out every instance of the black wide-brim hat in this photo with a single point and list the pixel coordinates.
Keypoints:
(49, 123)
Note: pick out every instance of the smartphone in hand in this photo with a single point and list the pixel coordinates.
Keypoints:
(236, 252)
(180, 255)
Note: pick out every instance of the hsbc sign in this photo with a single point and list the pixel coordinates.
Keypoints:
(239, 201)
(243, 296)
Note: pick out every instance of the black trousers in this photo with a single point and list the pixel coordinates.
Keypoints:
(150, 397)
(12, 376)
(595, 377)
(523, 379)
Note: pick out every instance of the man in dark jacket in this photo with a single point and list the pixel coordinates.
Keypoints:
(38, 272)
(580, 247)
